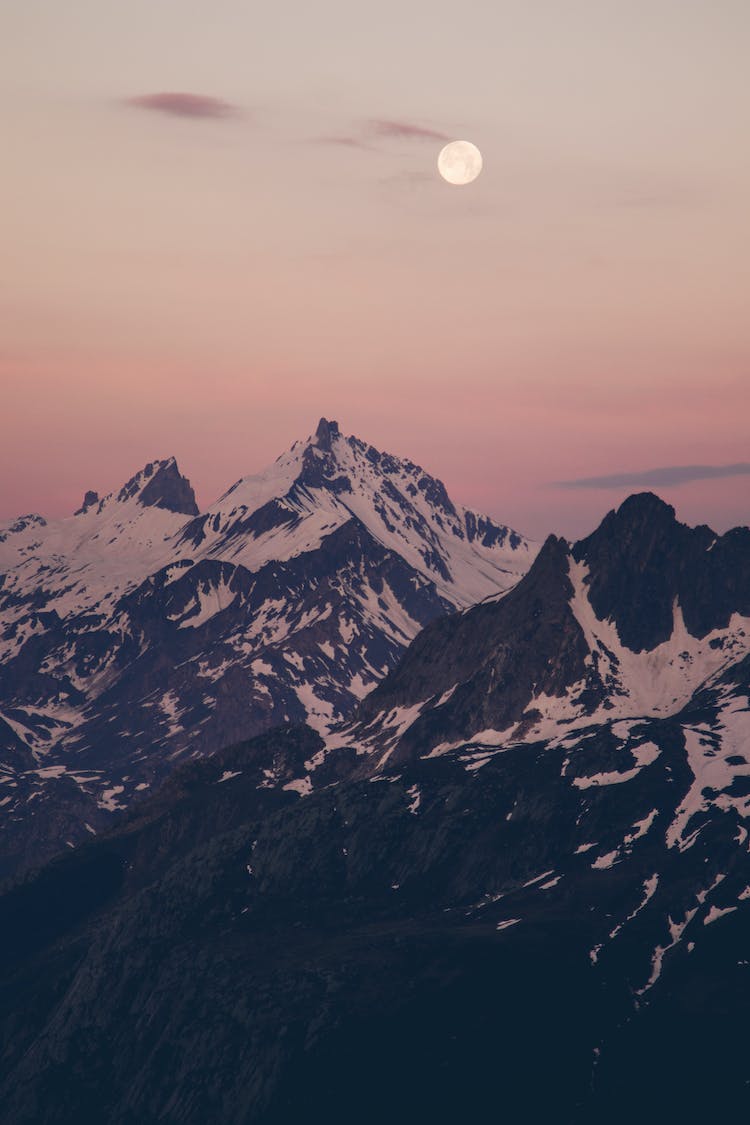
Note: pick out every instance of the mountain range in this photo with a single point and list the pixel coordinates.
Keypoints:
(141, 630)
(512, 877)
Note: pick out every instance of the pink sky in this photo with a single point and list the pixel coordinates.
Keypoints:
(206, 275)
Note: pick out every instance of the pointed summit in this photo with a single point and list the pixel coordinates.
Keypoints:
(169, 489)
(89, 499)
(643, 528)
(325, 432)
(642, 561)
(641, 512)
(332, 478)
(160, 484)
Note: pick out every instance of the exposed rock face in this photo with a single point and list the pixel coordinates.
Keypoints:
(168, 489)
(161, 485)
(642, 562)
(325, 431)
(89, 499)
(492, 659)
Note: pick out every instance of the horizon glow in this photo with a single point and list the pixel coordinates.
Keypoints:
(220, 225)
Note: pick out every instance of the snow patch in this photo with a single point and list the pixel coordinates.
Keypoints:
(416, 798)
(300, 785)
(606, 861)
(717, 912)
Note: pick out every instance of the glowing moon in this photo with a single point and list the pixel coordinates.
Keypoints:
(460, 162)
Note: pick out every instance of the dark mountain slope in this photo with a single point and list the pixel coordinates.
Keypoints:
(416, 942)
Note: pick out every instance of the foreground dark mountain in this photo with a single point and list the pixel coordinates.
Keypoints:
(519, 884)
(407, 945)
(141, 631)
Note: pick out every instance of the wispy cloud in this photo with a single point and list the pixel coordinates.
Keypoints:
(405, 130)
(668, 475)
(343, 141)
(368, 133)
(179, 104)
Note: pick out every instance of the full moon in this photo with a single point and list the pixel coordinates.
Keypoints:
(460, 162)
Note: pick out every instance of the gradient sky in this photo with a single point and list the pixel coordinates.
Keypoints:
(207, 276)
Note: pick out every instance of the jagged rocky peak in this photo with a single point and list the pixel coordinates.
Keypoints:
(641, 523)
(324, 463)
(90, 498)
(169, 489)
(160, 484)
(325, 432)
(642, 563)
(349, 456)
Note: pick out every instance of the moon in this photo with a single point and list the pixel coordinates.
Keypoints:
(459, 162)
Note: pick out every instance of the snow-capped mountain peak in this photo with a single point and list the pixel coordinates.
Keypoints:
(71, 565)
(328, 479)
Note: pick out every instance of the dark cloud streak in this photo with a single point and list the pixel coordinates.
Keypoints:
(668, 475)
(376, 129)
(343, 142)
(177, 104)
(405, 130)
